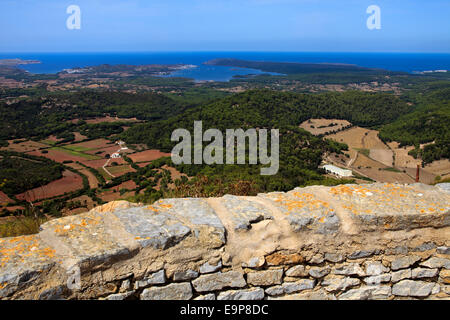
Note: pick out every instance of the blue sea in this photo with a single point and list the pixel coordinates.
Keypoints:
(55, 62)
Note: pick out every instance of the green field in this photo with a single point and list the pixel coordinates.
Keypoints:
(49, 142)
(363, 151)
(77, 148)
(69, 150)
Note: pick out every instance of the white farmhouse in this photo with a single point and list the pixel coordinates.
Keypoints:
(337, 171)
(115, 155)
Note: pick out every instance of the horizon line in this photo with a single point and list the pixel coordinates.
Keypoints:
(218, 51)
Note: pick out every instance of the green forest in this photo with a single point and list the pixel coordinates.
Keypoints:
(429, 122)
(300, 152)
(20, 172)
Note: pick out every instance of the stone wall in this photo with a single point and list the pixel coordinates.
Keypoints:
(375, 241)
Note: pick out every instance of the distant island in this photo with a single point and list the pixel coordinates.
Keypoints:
(150, 69)
(293, 67)
(15, 62)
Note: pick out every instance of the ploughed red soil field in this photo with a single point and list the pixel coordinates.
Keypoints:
(24, 146)
(148, 155)
(143, 164)
(4, 198)
(95, 144)
(118, 171)
(69, 182)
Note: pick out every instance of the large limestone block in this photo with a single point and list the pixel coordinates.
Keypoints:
(248, 294)
(410, 288)
(24, 263)
(219, 281)
(372, 292)
(88, 239)
(243, 213)
(151, 228)
(334, 283)
(305, 211)
(198, 215)
(265, 278)
(174, 291)
(393, 206)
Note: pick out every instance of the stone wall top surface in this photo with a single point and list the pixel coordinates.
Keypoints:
(185, 232)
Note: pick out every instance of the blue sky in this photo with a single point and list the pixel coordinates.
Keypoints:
(225, 25)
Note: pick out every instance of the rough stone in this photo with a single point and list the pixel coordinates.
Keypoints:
(185, 275)
(400, 275)
(397, 250)
(404, 262)
(22, 260)
(374, 268)
(378, 279)
(299, 285)
(319, 272)
(255, 262)
(444, 186)
(210, 296)
(88, 239)
(436, 262)
(334, 257)
(445, 276)
(371, 206)
(154, 278)
(410, 288)
(275, 291)
(227, 260)
(248, 294)
(243, 212)
(381, 292)
(362, 293)
(120, 296)
(56, 293)
(360, 254)
(198, 215)
(265, 278)
(291, 287)
(316, 259)
(153, 228)
(367, 292)
(279, 258)
(349, 269)
(420, 273)
(174, 291)
(125, 286)
(339, 283)
(297, 271)
(304, 211)
(218, 281)
(443, 250)
(425, 247)
(436, 289)
(207, 268)
(307, 295)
